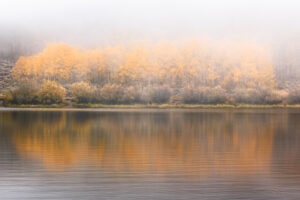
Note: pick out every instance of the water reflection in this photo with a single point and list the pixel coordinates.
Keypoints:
(197, 143)
(188, 145)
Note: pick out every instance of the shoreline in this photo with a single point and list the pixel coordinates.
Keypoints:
(152, 106)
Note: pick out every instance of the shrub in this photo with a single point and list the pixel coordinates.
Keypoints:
(190, 95)
(82, 92)
(248, 95)
(294, 96)
(176, 99)
(204, 95)
(24, 94)
(160, 94)
(144, 95)
(131, 95)
(111, 93)
(214, 95)
(276, 96)
(51, 93)
(259, 96)
(114, 94)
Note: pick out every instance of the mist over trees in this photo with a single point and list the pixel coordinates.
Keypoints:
(194, 52)
(190, 72)
(12, 47)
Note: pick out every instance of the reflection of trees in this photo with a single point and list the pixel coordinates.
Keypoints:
(50, 137)
(181, 142)
(287, 150)
(196, 143)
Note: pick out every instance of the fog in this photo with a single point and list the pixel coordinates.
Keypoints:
(225, 41)
(93, 23)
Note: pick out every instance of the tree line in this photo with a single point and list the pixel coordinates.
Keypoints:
(192, 72)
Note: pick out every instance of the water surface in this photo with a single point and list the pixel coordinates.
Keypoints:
(150, 154)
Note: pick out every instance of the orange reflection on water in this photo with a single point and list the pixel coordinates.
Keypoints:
(190, 144)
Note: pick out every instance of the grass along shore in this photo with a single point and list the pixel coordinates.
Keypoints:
(157, 106)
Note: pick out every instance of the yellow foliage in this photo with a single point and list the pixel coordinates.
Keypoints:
(82, 92)
(193, 63)
(51, 92)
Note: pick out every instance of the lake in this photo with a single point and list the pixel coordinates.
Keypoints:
(150, 154)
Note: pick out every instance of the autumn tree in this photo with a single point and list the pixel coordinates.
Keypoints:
(193, 71)
(51, 92)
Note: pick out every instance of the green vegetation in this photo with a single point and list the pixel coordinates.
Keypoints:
(35, 106)
(191, 106)
(155, 106)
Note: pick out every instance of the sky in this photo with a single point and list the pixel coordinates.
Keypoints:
(93, 23)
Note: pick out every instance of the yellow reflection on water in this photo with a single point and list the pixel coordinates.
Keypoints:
(184, 143)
